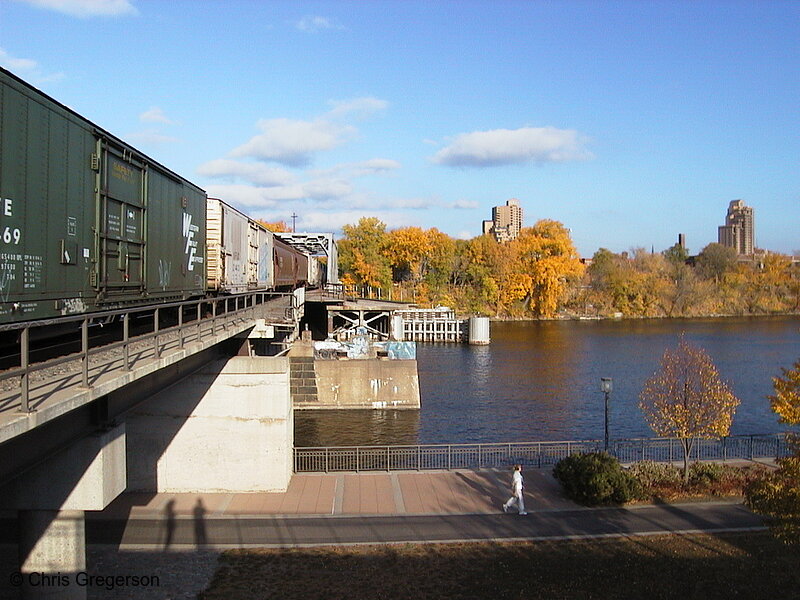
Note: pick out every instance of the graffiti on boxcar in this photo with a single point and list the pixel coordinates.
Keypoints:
(6, 278)
(164, 273)
(71, 306)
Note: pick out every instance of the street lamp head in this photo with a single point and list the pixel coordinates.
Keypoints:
(606, 385)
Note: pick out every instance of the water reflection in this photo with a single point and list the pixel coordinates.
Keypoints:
(540, 381)
(355, 427)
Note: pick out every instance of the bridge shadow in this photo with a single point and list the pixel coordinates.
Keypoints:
(147, 442)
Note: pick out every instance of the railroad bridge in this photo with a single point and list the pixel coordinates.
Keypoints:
(147, 403)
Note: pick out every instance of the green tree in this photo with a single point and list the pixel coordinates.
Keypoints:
(686, 399)
(715, 261)
(676, 254)
(777, 496)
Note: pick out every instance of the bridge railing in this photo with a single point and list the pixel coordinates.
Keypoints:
(533, 454)
(194, 321)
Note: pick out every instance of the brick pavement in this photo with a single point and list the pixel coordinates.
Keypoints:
(396, 493)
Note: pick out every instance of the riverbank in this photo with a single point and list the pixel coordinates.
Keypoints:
(623, 317)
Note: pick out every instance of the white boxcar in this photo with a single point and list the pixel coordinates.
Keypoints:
(236, 246)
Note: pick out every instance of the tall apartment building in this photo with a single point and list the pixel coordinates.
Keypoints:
(738, 231)
(506, 221)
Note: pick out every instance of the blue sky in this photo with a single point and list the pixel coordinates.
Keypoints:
(629, 122)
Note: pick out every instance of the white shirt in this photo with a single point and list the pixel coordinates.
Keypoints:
(516, 483)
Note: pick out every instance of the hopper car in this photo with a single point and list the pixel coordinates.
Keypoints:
(90, 224)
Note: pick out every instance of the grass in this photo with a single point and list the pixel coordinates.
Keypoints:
(740, 565)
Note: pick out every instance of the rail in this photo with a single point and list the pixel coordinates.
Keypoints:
(532, 454)
(194, 321)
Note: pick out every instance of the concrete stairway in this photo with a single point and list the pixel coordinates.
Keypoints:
(302, 380)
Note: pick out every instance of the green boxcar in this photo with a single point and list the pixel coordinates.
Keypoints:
(88, 223)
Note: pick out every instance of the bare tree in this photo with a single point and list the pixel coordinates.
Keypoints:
(686, 399)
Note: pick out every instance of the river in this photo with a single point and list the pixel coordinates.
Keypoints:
(540, 380)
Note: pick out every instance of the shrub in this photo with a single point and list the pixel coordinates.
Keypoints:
(707, 474)
(654, 475)
(596, 478)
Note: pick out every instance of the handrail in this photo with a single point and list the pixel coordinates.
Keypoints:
(538, 454)
(186, 331)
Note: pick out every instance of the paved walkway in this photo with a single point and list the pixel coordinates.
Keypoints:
(355, 508)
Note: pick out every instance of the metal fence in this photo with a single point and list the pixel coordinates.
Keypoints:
(532, 454)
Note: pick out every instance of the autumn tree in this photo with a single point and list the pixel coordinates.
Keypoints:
(478, 264)
(361, 253)
(686, 399)
(786, 401)
(406, 249)
(276, 226)
(777, 495)
(438, 264)
(546, 259)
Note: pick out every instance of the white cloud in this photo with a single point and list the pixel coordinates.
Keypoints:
(86, 8)
(326, 189)
(319, 191)
(255, 173)
(464, 235)
(363, 168)
(291, 142)
(155, 115)
(242, 195)
(151, 137)
(375, 165)
(26, 68)
(465, 204)
(334, 220)
(513, 146)
(360, 107)
(314, 24)
(411, 203)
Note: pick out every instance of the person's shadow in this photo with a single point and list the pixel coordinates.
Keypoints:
(199, 512)
(169, 516)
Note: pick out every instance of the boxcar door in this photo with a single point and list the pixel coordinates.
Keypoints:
(120, 227)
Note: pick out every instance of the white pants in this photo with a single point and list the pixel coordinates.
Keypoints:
(519, 500)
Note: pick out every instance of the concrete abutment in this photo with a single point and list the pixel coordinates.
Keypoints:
(226, 428)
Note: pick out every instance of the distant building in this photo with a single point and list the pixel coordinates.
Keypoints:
(506, 222)
(738, 232)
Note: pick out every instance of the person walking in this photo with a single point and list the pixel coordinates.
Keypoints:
(517, 494)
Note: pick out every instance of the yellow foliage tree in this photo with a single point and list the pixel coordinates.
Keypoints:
(777, 496)
(786, 401)
(361, 253)
(276, 226)
(438, 263)
(406, 249)
(686, 399)
(546, 255)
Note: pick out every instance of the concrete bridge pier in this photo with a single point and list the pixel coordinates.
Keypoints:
(51, 499)
(227, 427)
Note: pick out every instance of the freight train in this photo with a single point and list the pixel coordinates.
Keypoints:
(90, 224)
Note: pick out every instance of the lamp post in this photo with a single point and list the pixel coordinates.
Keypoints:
(606, 385)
